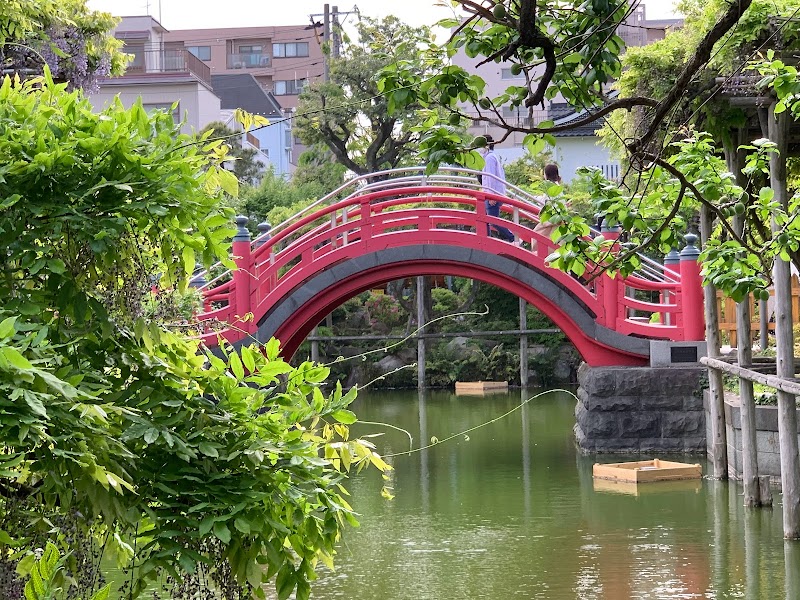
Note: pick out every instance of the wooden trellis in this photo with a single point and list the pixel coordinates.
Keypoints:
(726, 308)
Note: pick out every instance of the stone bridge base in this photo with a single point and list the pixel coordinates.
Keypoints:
(640, 409)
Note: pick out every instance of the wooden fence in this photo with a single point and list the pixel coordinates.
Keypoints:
(726, 308)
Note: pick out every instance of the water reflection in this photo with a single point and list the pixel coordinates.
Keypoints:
(424, 439)
(514, 512)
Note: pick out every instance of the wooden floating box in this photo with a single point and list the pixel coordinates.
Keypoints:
(645, 471)
(480, 387)
(641, 489)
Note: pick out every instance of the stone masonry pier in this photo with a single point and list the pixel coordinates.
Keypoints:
(640, 409)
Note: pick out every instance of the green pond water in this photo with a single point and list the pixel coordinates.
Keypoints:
(513, 512)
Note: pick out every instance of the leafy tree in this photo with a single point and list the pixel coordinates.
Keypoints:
(119, 432)
(275, 193)
(245, 165)
(317, 165)
(74, 42)
(350, 116)
(572, 49)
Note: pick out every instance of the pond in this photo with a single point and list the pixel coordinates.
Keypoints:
(510, 510)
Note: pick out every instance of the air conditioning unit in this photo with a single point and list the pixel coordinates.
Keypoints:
(239, 65)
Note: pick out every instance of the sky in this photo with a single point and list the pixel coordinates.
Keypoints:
(198, 14)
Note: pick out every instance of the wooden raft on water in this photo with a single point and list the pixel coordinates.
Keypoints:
(645, 471)
(480, 387)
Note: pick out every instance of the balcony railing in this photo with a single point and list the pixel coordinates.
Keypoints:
(249, 60)
(168, 61)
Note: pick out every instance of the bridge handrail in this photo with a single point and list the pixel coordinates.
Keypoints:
(456, 177)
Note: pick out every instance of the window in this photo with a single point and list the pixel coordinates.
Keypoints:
(201, 52)
(507, 74)
(165, 107)
(290, 49)
(290, 87)
(137, 50)
(249, 49)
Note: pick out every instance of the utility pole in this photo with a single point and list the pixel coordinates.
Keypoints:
(336, 34)
(326, 38)
(331, 35)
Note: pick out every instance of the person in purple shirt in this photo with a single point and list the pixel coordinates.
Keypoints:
(497, 185)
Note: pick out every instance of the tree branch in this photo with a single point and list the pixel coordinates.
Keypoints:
(701, 56)
(622, 103)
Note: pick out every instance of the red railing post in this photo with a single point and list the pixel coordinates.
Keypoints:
(694, 328)
(242, 256)
(671, 265)
(612, 303)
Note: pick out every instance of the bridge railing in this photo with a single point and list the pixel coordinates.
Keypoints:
(402, 207)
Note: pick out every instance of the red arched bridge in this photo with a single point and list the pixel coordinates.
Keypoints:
(399, 224)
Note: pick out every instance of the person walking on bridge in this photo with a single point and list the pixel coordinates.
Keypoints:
(546, 228)
(493, 179)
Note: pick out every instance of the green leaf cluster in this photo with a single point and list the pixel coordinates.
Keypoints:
(179, 461)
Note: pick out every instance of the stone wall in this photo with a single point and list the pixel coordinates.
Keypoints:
(767, 444)
(640, 409)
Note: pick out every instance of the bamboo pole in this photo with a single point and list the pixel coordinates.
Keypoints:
(716, 393)
(748, 407)
(788, 386)
(744, 353)
(778, 127)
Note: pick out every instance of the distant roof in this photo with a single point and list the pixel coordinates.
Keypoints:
(662, 23)
(562, 114)
(124, 20)
(241, 90)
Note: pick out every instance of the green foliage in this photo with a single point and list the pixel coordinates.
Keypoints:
(245, 165)
(47, 579)
(317, 166)
(177, 461)
(276, 199)
(359, 125)
(77, 43)
(586, 58)
(444, 300)
(528, 169)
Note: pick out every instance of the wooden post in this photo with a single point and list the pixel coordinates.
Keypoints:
(315, 345)
(420, 339)
(716, 389)
(241, 276)
(778, 126)
(791, 569)
(523, 343)
(763, 319)
(744, 353)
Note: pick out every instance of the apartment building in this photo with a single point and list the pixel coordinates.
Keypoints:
(162, 78)
(282, 58)
(173, 78)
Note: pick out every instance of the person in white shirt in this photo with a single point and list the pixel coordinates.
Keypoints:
(495, 184)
